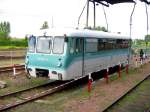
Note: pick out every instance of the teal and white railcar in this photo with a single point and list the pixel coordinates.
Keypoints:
(69, 54)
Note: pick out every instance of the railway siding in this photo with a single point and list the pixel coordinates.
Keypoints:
(78, 99)
(136, 101)
(103, 94)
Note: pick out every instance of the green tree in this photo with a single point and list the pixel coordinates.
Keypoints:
(101, 29)
(98, 28)
(8, 27)
(4, 29)
(147, 38)
(89, 27)
(45, 25)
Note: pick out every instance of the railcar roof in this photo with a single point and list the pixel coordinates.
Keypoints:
(80, 33)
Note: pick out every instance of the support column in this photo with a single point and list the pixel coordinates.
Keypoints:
(127, 68)
(14, 71)
(119, 70)
(106, 75)
(94, 14)
(89, 83)
(87, 16)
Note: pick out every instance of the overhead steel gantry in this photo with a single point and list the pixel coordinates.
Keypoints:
(111, 2)
(107, 3)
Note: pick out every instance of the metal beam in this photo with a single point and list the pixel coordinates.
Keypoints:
(87, 16)
(94, 15)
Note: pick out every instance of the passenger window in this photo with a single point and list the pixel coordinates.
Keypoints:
(106, 44)
(72, 45)
(76, 45)
(91, 45)
(79, 45)
(122, 43)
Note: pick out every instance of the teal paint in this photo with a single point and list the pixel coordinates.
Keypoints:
(51, 61)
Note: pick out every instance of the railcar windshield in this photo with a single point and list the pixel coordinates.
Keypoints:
(44, 44)
(31, 44)
(58, 45)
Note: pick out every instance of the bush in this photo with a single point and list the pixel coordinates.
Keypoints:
(13, 42)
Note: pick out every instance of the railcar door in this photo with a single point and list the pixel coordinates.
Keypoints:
(91, 56)
(76, 57)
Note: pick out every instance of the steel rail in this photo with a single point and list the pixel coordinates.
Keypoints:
(13, 57)
(41, 94)
(10, 68)
(124, 95)
(24, 90)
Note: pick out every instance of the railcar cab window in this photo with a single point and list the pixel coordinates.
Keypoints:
(58, 45)
(31, 44)
(44, 44)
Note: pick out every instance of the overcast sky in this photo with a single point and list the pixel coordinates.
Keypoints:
(27, 16)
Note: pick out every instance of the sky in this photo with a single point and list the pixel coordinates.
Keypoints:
(27, 16)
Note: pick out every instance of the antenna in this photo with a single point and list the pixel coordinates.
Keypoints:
(105, 16)
(81, 14)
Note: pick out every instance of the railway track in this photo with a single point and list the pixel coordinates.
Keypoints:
(48, 91)
(23, 97)
(24, 90)
(51, 89)
(123, 96)
(10, 68)
(9, 57)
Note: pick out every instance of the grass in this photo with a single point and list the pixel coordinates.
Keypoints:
(140, 96)
(57, 102)
(123, 74)
(11, 47)
(21, 83)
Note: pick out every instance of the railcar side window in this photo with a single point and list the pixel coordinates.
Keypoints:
(76, 45)
(122, 43)
(91, 45)
(72, 45)
(31, 44)
(111, 44)
(58, 46)
(44, 44)
(79, 45)
(100, 45)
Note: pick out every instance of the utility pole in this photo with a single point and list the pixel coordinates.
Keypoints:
(94, 15)
(87, 16)
(52, 24)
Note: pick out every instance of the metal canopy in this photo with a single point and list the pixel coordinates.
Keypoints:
(107, 2)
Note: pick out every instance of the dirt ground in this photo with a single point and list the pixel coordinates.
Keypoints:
(104, 94)
(136, 101)
(13, 52)
(19, 82)
(79, 100)
(18, 57)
